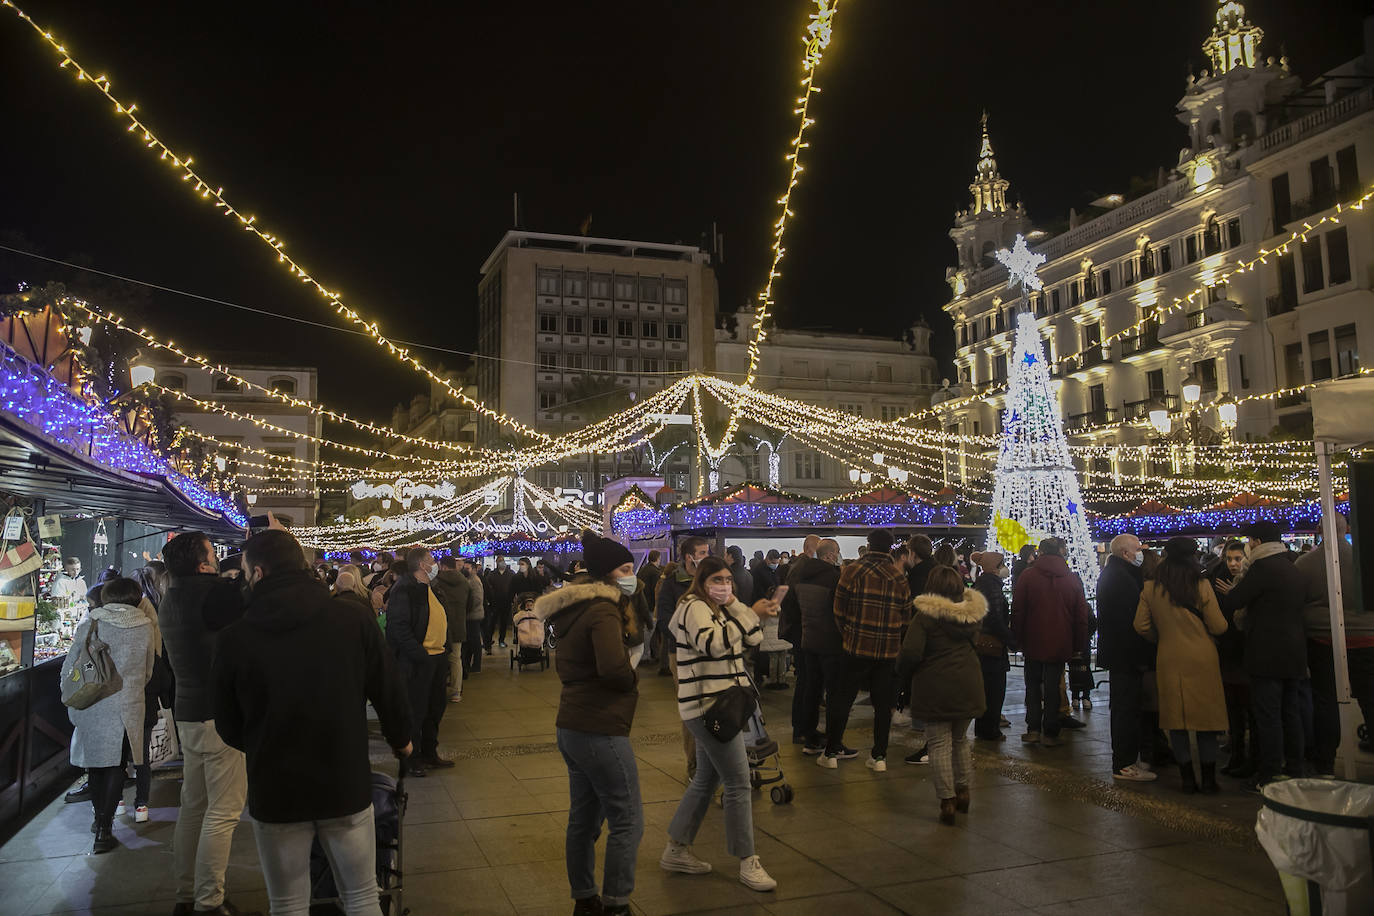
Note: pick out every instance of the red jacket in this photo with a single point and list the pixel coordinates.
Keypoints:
(1049, 614)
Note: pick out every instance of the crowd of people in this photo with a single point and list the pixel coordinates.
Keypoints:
(268, 663)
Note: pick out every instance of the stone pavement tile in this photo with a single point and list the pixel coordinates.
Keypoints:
(466, 788)
(948, 897)
(797, 875)
(520, 838)
(881, 868)
(24, 882)
(441, 846)
(121, 876)
(515, 802)
(958, 849)
(817, 844)
(475, 891)
(1247, 869)
(430, 812)
(533, 766)
(852, 901)
(530, 886)
(662, 893)
(745, 910)
(1045, 841)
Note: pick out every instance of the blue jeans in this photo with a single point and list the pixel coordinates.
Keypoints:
(350, 844)
(717, 762)
(1278, 726)
(603, 785)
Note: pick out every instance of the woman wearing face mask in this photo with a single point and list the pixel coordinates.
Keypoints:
(590, 621)
(712, 629)
(993, 642)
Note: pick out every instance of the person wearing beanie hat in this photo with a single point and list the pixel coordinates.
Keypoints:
(590, 622)
(1265, 602)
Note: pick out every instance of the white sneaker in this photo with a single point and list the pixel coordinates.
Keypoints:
(876, 764)
(901, 718)
(752, 875)
(119, 810)
(679, 858)
(141, 814)
(1134, 773)
(828, 762)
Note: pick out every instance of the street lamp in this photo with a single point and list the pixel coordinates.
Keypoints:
(1226, 412)
(1192, 389)
(853, 475)
(877, 457)
(1159, 417)
(142, 375)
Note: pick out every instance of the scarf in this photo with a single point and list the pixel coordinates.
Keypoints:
(1254, 555)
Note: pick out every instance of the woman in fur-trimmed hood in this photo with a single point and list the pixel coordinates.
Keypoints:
(590, 622)
(947, 687)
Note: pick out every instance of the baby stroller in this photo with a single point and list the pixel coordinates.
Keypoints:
(388, 810)
(531, 645)
(765, 763)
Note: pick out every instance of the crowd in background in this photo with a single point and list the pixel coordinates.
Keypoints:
(268, 663)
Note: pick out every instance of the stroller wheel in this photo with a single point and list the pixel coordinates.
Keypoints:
(781, 795)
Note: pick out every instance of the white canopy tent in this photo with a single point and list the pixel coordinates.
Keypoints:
(1342, 417)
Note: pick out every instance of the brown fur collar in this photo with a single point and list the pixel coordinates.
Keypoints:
(551, 604)
(972, 609)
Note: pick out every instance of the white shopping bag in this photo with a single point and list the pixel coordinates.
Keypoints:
(163, 746)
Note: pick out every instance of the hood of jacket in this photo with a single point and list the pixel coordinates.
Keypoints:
(1051, 565)
(811, 570)
(970, 611)
(286, 600)
(451, 577)
(573, 599)
(124, 616)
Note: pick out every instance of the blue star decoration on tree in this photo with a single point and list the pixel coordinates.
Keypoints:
(1030, 359)
(1021, 264)
(1073, 507)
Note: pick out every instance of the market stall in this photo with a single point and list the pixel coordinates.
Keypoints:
(77, 481)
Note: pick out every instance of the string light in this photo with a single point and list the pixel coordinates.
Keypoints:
(817, 39)
(203, 189)
(205, 365)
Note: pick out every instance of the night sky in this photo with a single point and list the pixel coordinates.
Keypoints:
(383, 142)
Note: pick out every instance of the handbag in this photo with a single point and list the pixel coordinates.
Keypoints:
(987, 645)
(162, 742)
(93, 676)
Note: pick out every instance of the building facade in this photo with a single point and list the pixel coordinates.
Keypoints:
(881, 378)
(286, 484)
(1266, 157)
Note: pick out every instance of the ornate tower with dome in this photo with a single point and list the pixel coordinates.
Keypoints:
(988, 224)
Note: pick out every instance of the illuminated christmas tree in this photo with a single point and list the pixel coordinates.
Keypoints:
(1036, 492)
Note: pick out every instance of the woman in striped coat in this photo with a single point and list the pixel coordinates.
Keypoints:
(712, 628)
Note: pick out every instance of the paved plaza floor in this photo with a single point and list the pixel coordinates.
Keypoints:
(1048, 831)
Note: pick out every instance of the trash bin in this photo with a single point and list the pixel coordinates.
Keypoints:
(1317, 833)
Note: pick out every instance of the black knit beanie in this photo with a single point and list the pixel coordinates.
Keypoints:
(601, 555)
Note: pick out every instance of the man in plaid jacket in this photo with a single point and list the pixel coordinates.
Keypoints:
(872, 605)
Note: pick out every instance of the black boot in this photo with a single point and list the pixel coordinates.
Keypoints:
(588, 906)
(1185, 772)
(104, 839)
(1209, 779)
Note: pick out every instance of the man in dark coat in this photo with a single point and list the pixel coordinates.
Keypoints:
(810, 605)
(417, 630)
(1051, 622)
(453, 591)
(923, 561)
(291, 683)
(497, 595)
(997, 624)
(766, 577)
(1272, 593)
(1124, 653)
(214, 778)
(672, 586)
(744, 579)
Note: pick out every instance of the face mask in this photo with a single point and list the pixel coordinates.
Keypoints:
(628, 584)
(772, 566)
(1139, 558)
(720, 594)
(1002, 572)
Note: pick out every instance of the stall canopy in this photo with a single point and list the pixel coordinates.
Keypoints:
(77, 458)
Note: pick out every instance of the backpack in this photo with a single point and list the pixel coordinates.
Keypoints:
(93, 676)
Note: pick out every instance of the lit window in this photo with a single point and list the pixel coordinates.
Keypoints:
(624, 287)
(675, 291)
(574, 284)
(601, 286)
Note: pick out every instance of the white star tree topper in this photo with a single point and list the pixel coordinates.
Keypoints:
(1022, 264)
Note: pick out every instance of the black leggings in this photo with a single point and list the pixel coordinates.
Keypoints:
(107, 788)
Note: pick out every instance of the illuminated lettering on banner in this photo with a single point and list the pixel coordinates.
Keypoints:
(404, 490)
(460, 525)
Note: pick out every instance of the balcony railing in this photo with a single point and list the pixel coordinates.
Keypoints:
(1094, 417)
(1339, 110)
(1291, 400)
(1197, 319)
(1095, 355)
(1140, 410)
